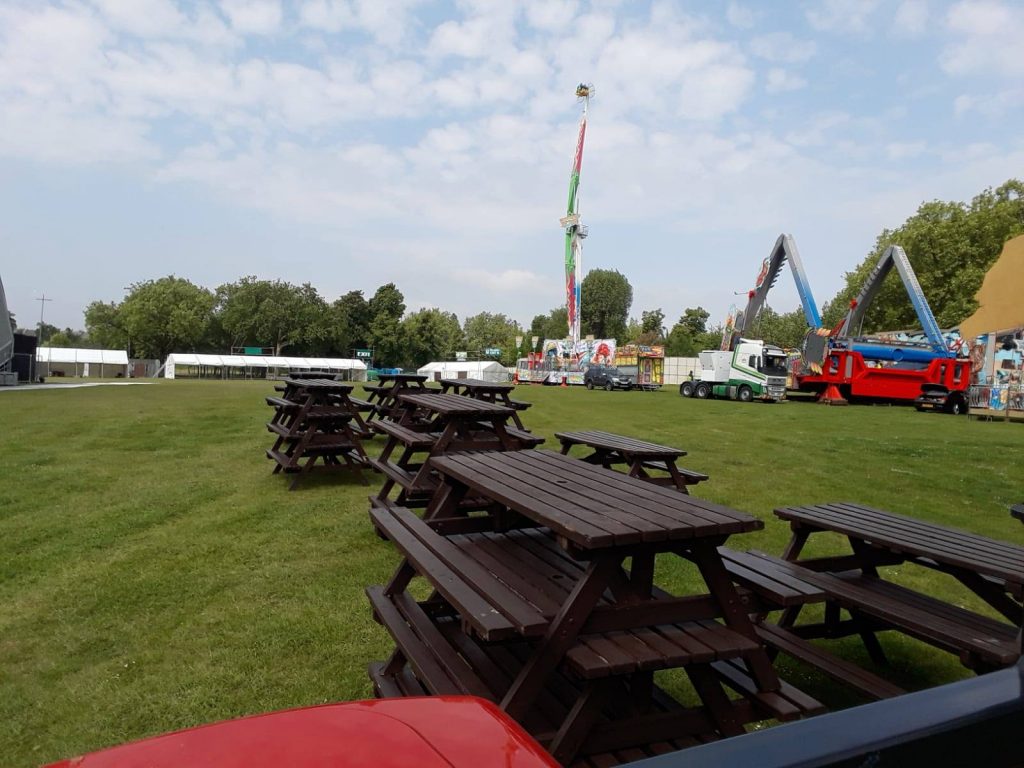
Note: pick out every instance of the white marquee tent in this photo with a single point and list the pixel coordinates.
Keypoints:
(179, 364)
(66, 361)
(486, 370)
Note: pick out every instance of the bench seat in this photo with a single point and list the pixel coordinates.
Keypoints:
(482, 576)
(403, 477)
(280, 402)
(954, 629)
(410, 438)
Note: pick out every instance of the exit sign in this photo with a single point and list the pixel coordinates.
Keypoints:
(364, 353)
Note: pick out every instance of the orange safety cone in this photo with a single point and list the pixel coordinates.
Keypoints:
(831, 396)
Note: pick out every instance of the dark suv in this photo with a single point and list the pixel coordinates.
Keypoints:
(608, 377)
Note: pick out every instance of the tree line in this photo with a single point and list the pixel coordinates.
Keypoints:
(951, 246)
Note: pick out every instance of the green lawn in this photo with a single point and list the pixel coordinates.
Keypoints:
(155, 575)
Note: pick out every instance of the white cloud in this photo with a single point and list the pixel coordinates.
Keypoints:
(905, 150)
(989, 105)
(779, 80)
(506, 280)
(740, 16)
(911, 18)
(255, 17)
(989, 39)
(783, 47)
(845, 16)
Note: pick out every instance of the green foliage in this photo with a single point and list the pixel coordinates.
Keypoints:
(166, 315)
(261, 313)
(349, 323)
(386, 307)
(104, 325)
(430, 335)
(553, 325)
(786, 330)
(493, 330)
(951, 246)
(689, 335)
(651, 321)
(69, 337)
(606, 297)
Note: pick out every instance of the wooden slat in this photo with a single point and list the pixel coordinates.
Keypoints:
(776, 580)
(612, 442)
(484, 616)
(837, 668)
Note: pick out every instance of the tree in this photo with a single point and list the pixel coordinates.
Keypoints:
(553, 325)
(350, 323)
(493, 330)
(689, 335)
(606, 297)
(105, 325)
(428, 335)
(651, 321)
(166, 315)
(951, 246)
(786, 330)
(386, 308)
(255, 312)
(69, 337)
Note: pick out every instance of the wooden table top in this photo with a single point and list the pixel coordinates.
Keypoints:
(910, 536)
(590, 506)
(626, 445)
(480, 385)
(337, 386)
(402, 377)
(454, 405)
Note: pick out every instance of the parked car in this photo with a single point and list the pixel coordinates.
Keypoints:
(607, 376)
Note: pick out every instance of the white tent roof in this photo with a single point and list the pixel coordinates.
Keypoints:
(257, 361)
(71, 355)
(469, 367)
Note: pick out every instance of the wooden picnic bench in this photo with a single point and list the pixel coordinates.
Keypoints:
(490, 391)
(533, 608)
(639, 456)
(429, 425)
(992, 570)
(384, 397)
(1017, 510)
(313, 421)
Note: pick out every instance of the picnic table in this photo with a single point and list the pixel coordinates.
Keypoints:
(533, 608)
(1017, 510)
(312, 420)
(490, 391)
(425, 425)
(992, 570)
(639, 456)
(384, 396)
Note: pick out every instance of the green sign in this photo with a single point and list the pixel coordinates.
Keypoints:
(253, 351)
(493, 352)
(364, 353)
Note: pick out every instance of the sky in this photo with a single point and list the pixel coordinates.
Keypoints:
(350, 143)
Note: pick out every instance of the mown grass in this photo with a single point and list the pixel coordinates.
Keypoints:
(155, 575)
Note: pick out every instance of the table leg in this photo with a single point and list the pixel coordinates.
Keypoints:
(561, 634)
(796, 543)
(580, 721)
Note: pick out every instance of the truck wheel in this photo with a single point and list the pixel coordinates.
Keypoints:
(745, 395)
(590, 385)
(686, 389)
(609, 387)
(703, 391)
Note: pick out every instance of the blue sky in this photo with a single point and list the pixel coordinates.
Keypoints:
(350, 143)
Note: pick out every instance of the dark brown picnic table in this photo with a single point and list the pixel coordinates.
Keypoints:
(384, 397)
(858, 583)
(535, 610)
(490, 391)
(639, 457)
(313, 420)
(1017, 510)
(425, 425)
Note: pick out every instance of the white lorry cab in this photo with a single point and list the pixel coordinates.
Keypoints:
(753, 370)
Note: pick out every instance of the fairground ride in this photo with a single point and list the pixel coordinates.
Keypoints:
(575, 231)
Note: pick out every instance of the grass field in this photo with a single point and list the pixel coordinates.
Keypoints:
(155, 575)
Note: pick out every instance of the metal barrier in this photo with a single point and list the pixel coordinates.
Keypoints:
(997, 398)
